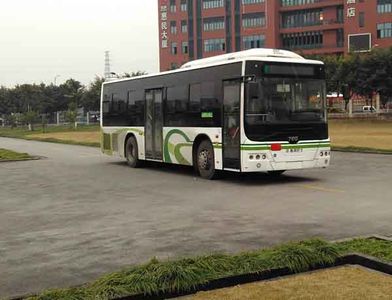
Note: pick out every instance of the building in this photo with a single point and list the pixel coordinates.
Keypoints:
(193, 29)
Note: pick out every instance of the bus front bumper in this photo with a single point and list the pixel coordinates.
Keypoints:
(262, 162)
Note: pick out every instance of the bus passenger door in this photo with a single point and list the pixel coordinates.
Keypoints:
(154, 124)
(231, 124)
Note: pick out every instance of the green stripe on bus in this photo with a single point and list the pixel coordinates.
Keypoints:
(177, 153)
(166, 152)
(255, 147)
(286, 146)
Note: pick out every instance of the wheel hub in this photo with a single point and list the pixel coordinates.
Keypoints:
(204, 161)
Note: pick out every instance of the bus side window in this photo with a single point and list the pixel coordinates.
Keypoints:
(194, 97)
(135, 108)
(113, 104)
(210, 104)
(106, 104)
(131, 107)
(208, 99)
(177, 102)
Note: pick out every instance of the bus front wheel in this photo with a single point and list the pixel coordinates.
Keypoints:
(132, 153)
(206, 160)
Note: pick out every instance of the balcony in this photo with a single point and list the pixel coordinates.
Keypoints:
(324, 25)
(316, 50)
(319, 50)
(317, 4)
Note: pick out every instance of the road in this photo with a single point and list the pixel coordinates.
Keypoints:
(76, 214)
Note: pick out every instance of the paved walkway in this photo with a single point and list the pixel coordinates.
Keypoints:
(76, 215)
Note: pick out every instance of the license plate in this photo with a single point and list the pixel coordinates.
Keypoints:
(296, 150)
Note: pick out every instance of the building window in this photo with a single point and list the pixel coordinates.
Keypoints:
(340, 14)
(384, 6)
(297, 2)
(185, 48)
(245, 2)
(253, 41)
(173, 7)
(301, 18)
(183, 5)
(253, 20)
(340, 37)
(207, 4)
(173, 27)
(384, 30)
(213, 45)
(184, 26)
(303, 40)
(211, 24)
(174, 48)
(361, 19)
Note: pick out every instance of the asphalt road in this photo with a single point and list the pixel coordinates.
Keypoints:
(75, 215)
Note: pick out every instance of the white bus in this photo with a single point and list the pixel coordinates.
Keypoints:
(260, 110)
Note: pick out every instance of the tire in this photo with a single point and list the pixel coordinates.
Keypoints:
(132, 153)
(205, 160)
(276, 173)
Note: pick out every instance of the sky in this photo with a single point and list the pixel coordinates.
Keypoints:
(44, 39)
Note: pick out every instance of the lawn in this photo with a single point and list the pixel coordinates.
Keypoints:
(8, 155)
(78, 137)
(83, 135)
(361, 135)
(354, 135)
(347, 282)
(183, 275)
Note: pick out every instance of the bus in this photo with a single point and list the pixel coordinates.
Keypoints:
(259, 110)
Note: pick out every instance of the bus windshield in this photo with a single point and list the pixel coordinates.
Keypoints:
(276, 108)
(283, 100)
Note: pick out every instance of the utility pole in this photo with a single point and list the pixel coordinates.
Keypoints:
(108, 74)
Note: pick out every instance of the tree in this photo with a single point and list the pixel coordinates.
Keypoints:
(72, 90)
(91, 97)
(348, 73)
(5, 106)
(72, 114)
(11, 119)
(133, 74)
(30, 118)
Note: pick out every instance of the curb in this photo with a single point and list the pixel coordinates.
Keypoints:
(20, 160)
(350, 259)
(359, 150)
(358, 259)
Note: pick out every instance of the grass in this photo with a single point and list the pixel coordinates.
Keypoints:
(79, 137)
(8, 155)
(340, 283)
(185, 274)
(373, 247)
(361, 135)
(83, 135)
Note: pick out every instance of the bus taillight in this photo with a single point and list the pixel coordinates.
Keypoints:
(276, 147)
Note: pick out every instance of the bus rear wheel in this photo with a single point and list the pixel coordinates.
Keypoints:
(132, 153)
(206, 160)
